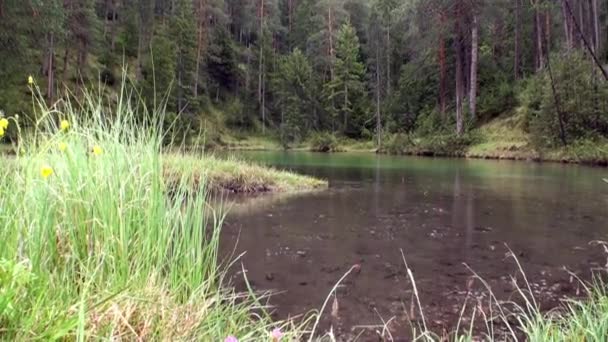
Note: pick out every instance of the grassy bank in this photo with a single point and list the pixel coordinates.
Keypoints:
(91, 246)
(501, 138)
(235, 175)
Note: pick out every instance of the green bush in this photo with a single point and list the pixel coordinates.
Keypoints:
(324, 142)
(575, 111)
(399, 143)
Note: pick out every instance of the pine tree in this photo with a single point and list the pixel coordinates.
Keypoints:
(294, 87)
(347, 88)
(183, 34)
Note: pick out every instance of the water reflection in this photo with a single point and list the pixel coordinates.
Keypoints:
(441, 213)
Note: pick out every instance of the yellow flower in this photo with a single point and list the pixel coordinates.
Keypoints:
(1, 132)
(64, 125)
(97, 150)
(62, 146)
(30, 80)
(4, 123)
(46, 171)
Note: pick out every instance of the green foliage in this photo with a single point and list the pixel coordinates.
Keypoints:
(346, 91)
(581, 98)
(324, 142)
(159, 72)
(293, 84)
(399, 143)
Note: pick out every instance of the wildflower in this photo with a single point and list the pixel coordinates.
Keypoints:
(64, 125)
(62, 146)
(97, 150)
(276, 335)
(1, 132)
(4, 123)
(231, 339)
(30, 80)
(46, 171)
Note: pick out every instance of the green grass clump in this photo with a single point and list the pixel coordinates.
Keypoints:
(93, 247)
(235, 175)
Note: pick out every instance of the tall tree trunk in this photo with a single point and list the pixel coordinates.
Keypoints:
(50, 84)
(330, 31)
(388, 59)
(547, 32)
(516, 53)
(540, 60)
(585, 43)
(473, 80)
(261, 97)
(458, 42)
(378, 119)
(442, 69)
(202, 21)
(596, 25)
(567, 26)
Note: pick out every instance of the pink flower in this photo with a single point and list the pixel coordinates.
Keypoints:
(231, 339)
(276, 334)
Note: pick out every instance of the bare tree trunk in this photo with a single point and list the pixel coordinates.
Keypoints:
(378, 119)
(473, 79)
(50, 85)
(261, 69)
(596, 25)
(589, 49)
(567, 26)
(330, 31)
(202, 20)
(388, 59)
(540, 61)
(442, 69)
(459, 73)
(517, 38)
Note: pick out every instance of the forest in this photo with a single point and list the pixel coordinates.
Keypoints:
(399, 73)
(160, 177)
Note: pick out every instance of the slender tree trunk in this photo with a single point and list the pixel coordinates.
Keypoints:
(66, 55)
(473, 80)
(50, 85)
(547, 32)
(388, 59)
(567, 25)
(596, 25)
(346, 109)
(586, 44)
(330, 31)
(540, 60)
(378, 119)
(442, 69)
(517, 38)
(261, 69)
(459, 73)
(202, 20)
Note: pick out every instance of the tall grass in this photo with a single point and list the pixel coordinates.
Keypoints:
(91, 244)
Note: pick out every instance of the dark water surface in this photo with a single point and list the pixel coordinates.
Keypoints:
(442, 213)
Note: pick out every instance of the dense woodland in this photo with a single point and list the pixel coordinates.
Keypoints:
(364, 69)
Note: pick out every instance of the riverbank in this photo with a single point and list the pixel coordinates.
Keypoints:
(499, 139)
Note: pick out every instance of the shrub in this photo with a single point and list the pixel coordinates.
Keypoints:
(581, 98)
(399, 143)
(324, 142)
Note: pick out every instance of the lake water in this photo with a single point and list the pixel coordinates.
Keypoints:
(441, 213)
